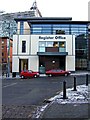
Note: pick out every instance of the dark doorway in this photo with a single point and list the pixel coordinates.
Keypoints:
(62, 62)
(23, 64)
(52, 62)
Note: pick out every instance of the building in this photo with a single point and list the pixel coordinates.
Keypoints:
(8, 28)
(89, 32)
(8, 25)
(46, 43)
(4, 55)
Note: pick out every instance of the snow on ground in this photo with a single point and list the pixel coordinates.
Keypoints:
(79, 96)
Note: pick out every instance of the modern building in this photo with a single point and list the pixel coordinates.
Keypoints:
(4, 55)
(8, 25)
(47, 43)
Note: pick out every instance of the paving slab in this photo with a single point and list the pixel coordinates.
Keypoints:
(67, 111)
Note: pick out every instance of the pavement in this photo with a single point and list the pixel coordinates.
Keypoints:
(67, 111)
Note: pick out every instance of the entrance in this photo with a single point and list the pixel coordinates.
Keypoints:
(23, 64)
(52, 62)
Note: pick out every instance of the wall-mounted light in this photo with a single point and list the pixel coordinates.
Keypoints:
(53, 61)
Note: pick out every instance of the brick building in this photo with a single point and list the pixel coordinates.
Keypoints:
(5, 53)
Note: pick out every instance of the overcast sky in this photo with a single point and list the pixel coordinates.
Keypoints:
(77, 9)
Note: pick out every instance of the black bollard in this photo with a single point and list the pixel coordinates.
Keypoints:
(74, 84)
(64, 90)
(86, 79)
(6, 74)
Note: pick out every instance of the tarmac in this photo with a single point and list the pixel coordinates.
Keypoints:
(69, 111)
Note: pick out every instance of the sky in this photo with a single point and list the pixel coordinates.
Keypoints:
(77, 9)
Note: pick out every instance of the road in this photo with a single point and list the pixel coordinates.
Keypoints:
(34, 91)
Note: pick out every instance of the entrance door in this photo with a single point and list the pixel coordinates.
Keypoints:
(23, 64)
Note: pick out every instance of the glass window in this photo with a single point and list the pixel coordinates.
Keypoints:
(2, 59)
(62, 27)
(2, 41)
(2, 47)
(55, 44)
(21, 28)
(62, 44)
(2, 54)
(78, 29)
(62, 47)
(23, 46)
(41, 29)
(41, 49)
(49, 44)
(43, 44)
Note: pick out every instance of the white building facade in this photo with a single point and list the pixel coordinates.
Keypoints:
(48, 51)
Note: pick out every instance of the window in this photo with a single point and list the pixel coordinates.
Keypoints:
(42, 46)
(52, 44)
(61, 29)
(21, 27)
(2, 54)
(2, 41)
(23, 46)
(78, 29)
(62, 47)
(41, 29)
(55, 44)
(2, 47)
(49, 44)
(2, 59)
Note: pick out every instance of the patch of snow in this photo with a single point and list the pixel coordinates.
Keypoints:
(39, 111)
(79, 96)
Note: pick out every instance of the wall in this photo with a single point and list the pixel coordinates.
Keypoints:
(15, 64)
(31, 52)
(70, 63)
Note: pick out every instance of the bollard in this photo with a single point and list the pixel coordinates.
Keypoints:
(6, 74)
(74, 84)
(64, 90)
(86, 79)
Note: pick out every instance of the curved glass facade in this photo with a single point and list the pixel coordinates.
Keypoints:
(75, 29)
